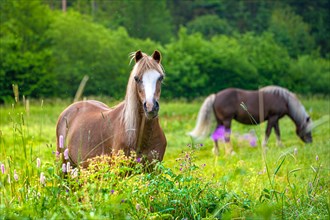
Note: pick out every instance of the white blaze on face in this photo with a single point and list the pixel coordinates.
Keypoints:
(149, 80)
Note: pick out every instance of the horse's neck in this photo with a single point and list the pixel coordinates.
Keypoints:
(144, 133)
(296, 114)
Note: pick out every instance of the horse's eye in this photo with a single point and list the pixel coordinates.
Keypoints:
(136, 78)
(161, 78)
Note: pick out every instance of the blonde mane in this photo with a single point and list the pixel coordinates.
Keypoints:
(130, 116)
(296, 109)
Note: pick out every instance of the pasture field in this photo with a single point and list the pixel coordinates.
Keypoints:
(288, 182)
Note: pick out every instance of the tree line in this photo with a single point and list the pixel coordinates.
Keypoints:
(206, 45)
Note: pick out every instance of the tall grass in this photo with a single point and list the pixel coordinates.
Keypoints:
(291, 182)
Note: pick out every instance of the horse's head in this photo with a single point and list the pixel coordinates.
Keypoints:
(148, 76)
(304, 131)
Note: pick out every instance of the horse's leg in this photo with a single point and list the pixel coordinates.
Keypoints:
(270, 125)
(278, 134)
(216, 148)
(228, 146)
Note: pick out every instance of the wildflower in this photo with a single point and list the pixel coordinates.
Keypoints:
(201, 145)
(219, 133)
(253, 141)
(38, 162)
(138, 159)
(42, 178)
(74, 173)
(64, 168)
(3, 168)
(57, 154)
(112, 191)
(68, 167)
(137, 206)
(317, 157)
(61, 142)
(295, 151)
(66, 154)
(15, 175)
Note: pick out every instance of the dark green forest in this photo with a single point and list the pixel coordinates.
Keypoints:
(48, 46)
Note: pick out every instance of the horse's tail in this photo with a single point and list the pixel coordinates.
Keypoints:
(204, 119)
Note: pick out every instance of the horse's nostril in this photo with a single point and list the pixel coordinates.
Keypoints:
(145, 106)
(156, 106)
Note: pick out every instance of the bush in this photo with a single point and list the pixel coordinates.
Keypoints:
(309, 75)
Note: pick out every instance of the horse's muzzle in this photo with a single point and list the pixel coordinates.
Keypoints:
(151, 109)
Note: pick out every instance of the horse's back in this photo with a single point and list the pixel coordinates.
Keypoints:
(77, 108)
(228, 104)
(226, 101)
(241, 104)
(82, 125)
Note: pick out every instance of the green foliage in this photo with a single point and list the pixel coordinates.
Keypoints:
(309, 69)
(269, 59)
(156, 24)
(209, 26)
(291, 32)
(246, 44)
(25, 56)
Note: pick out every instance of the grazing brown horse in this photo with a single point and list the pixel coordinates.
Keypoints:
(270, 103)
(90, 128)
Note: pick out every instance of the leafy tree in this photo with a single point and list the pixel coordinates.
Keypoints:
(209, 26)
(93, 50)
(291, 32)
(270, 60)
(141, 19)
(25, 57)
(309, 75)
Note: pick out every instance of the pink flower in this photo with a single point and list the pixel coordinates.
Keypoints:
(15, 175)
(64, 168)
(253, 141)
(38, 162)
(61, 141)
(66, 154)
(3, 168)
(42, 178)
(219, 133)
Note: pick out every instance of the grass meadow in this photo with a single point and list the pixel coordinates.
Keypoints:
(288, 182)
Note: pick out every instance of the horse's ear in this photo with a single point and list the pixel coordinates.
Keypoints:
(138, 56)
(157, 56)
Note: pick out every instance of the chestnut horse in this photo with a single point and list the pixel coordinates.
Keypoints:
(245, 106)
(87, 129)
